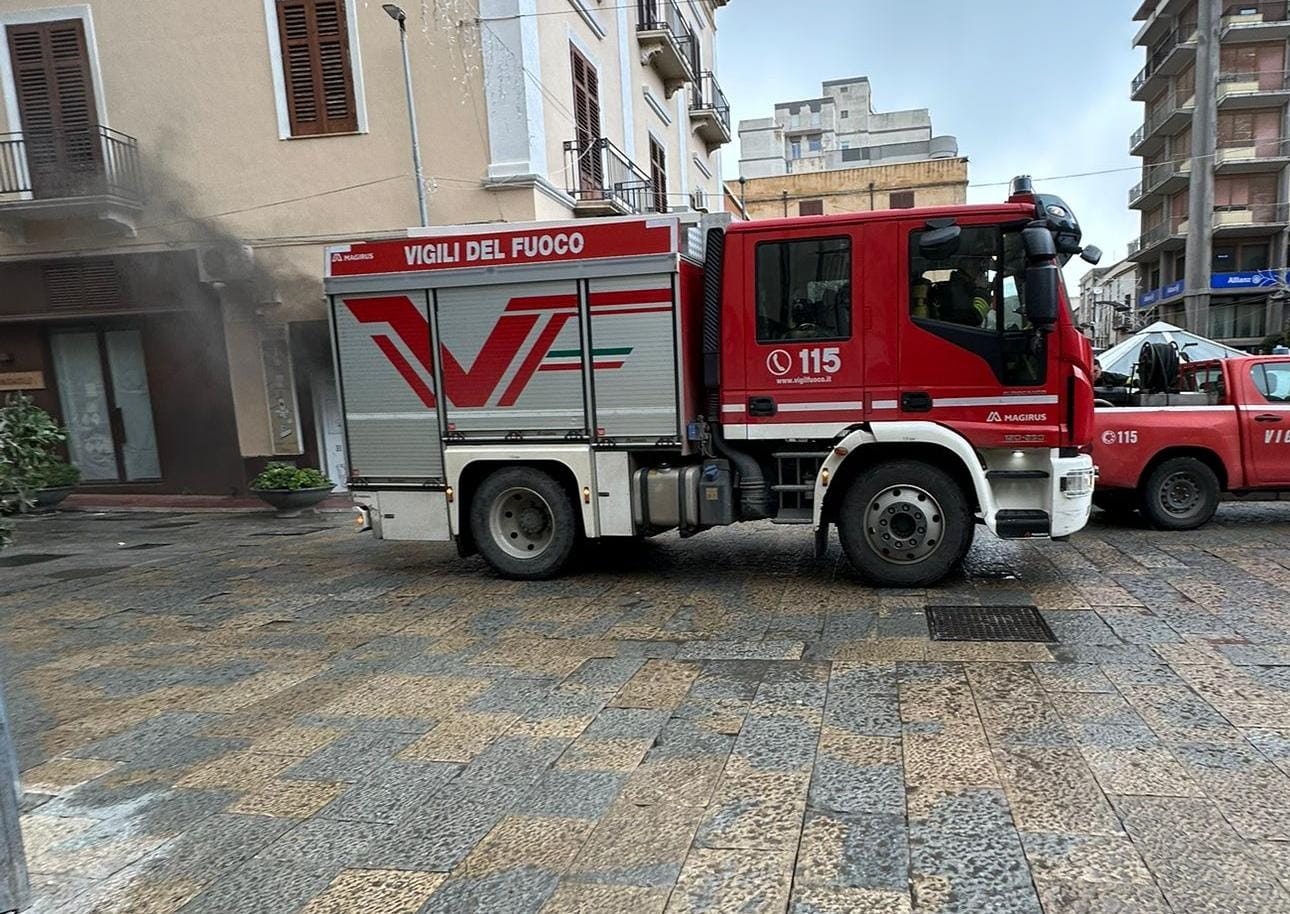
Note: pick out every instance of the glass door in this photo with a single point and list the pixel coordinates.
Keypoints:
(103, 389)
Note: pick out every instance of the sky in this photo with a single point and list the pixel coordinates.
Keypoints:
(1032, 87)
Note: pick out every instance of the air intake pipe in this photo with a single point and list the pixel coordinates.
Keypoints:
(754, 487)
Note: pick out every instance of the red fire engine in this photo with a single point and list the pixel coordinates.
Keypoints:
(902, 375)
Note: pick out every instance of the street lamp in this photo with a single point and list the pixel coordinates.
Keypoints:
(396, 13)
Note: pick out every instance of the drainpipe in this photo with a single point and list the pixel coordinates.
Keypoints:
(785, 204)
(872, 198)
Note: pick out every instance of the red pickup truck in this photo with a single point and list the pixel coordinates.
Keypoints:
(1170, 455)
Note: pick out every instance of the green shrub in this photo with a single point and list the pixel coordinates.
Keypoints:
(277, 476)
(29, 438)
(57, 476)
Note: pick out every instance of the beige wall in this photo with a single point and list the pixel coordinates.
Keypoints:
(939, 182)
(197, 92)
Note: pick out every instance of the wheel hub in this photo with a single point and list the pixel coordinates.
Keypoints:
(1180, 494)
(521, 522)
(904, 524)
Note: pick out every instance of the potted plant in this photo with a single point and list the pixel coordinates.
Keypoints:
(29, 437)
(53, 483)
(291, 489)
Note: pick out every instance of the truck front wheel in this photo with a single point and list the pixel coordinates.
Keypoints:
(1180, 494)
(904, 524)
(523, 523)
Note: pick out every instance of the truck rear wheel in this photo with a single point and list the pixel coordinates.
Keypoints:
(904, 524)
(1180, 494)
(523, 523)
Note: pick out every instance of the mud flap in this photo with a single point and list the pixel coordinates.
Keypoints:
(822, 539)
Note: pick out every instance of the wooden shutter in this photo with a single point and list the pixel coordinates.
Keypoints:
(586, 122)
(316, 66)
(51, 68)
(658, 174)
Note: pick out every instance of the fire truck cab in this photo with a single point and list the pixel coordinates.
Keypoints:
(902, 375)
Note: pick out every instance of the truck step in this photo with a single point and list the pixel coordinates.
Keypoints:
(793, 487)
(1015, 523)
(800, 455)
(1017, 474)
(794, 516)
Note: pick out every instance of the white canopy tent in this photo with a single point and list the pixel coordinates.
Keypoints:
(1123, 356)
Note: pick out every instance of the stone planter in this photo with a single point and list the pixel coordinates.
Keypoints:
(49, 499)
(291, 502)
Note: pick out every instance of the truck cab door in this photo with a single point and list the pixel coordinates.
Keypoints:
(802, 356)
(1266, 417)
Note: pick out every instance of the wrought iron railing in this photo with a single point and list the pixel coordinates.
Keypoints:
(600, 172)
(1154, 176)
(1165, 109)
(655, 15)
(1178, 37)
(706, 95)
(59, 164)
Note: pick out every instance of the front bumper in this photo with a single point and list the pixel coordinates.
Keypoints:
(1071, 498)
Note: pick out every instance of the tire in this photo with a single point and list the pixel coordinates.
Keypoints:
(1180, 494)
(523, 523)
(1118, 503)
(910, 499)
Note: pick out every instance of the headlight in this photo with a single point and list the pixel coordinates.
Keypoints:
(1078, 484)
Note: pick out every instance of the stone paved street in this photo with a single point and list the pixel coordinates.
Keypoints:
(229, 714)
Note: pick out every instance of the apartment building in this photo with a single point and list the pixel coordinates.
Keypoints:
(1106, 303)
(1214, 198)
(929, 182)
(839, 129)
(169, 180)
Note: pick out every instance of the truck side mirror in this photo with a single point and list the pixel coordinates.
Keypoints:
(1091, 254)
(939, 243)
(1042, 280)
(1042, 276)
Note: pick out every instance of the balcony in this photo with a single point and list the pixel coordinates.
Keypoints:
(1248, 220)
(1165, 119)
(88, 173)
(1251, 157)
(1255, 21)
(1168, 57)
(667, 43)
(1160, 180)
(603, 181)
(710, 112)
(1171, 235)
(1252, 90)
(1157, 18)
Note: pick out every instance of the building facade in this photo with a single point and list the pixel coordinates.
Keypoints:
(1214, 197)
(168, 184)
(1106, 303)
(839, 129)
(939, 182)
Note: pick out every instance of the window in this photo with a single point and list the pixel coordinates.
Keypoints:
(316, 67)
(1273, 381)
(810, 208)
(845, 114)
(901, 199)
(1245, 257)
(815, 143)
(1257, 193)
(846, 144)
(973, 296)
(586, 126)
(804, 290)
(795, 150)
(658, 174)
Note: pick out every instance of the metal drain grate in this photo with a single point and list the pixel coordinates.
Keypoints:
(987, 623)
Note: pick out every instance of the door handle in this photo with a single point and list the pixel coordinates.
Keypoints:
(762, 406)
(1267, 417)
(918, 401)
